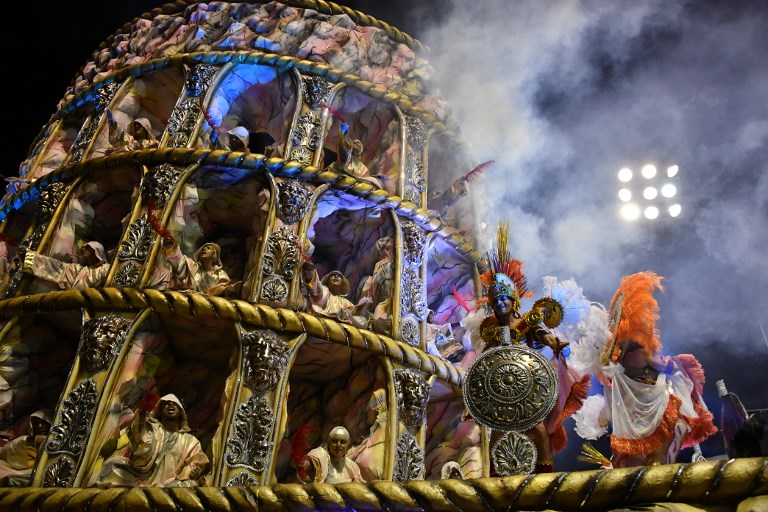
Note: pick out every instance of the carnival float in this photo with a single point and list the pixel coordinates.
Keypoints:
(240, 271)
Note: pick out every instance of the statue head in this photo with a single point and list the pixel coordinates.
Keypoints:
(337, 283)
(338, 443)
(101, 340)
(209, 256)
(412, 397)
(170, 408)
(265, 356)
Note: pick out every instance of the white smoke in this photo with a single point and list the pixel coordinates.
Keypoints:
(563, 94)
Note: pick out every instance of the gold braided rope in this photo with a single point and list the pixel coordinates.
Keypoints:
(429, 220)
(195, 304)
(322, 70)
(708, 483)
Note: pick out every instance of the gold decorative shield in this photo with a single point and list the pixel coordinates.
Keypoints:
(510, 388)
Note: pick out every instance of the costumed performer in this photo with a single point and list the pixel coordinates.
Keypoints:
(90, 270)
(329, 462)
(203, 272)
(328, 296)
(160, 451)
(138, 136)
(653, 403)
(506, 285)
(17, 457)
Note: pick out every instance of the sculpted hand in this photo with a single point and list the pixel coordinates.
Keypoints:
(307, 271)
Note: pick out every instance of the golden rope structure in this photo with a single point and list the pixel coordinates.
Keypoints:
(194, 304)
(722, 484)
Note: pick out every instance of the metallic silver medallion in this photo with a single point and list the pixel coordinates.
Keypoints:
(514, 454)
(510, 388)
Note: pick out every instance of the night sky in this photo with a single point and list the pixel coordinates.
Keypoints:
(561, 94)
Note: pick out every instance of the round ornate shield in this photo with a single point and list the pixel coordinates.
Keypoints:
(514, 454)
(510, 388)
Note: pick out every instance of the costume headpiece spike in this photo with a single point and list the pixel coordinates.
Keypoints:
(505, 274)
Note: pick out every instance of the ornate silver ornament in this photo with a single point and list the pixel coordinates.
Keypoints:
(409, 331)
(315, 91)
(128, 275)
(265, 357)
(60, 473)
(409, 459)
(292, 201)
(157, 184)
(250, 443)
(242, 479)
(412, 397)
(415, 242)
(514, 454)
(510, 388)
(74, 427)
(50, 197)
(101, 341)
(137, 244)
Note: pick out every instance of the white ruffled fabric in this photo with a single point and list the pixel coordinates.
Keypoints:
(588, 418)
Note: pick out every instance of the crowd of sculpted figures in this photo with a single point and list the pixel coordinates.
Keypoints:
(157, 448)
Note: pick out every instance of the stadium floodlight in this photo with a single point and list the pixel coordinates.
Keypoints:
(630, 211)
(648, 171)
(668, 190)
(655, 196)
(625, 194)
(625, 175)
(651, 212)
(650, 193)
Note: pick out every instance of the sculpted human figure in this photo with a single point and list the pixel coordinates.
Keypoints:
(203, 272)
(160, 451)
(235, 139)
(90, 270)
(138, 135)
(17, 457)
(349, 158)
(328, 296)
(329, 462)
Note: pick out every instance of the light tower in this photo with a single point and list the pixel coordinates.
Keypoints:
(650, 194)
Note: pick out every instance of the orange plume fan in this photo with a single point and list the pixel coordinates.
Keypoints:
(639, 311)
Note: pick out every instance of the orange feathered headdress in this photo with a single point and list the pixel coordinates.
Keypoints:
(634, 311)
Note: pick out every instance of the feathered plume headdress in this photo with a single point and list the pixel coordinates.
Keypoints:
(634, 312)
(505, 274)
